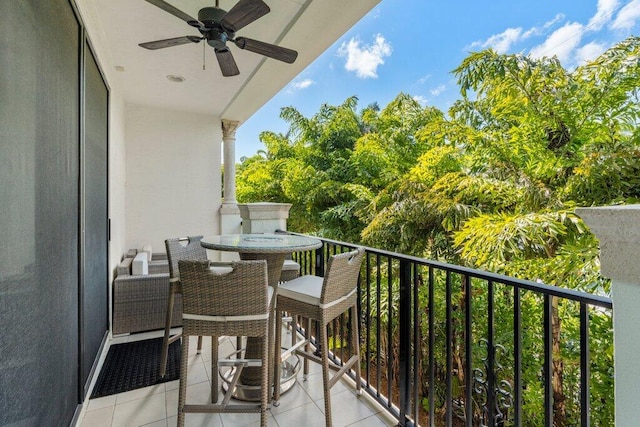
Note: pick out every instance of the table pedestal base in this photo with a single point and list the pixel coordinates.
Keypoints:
(251, 393)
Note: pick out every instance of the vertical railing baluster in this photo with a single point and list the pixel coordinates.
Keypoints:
(390, 360)
(416, 342)
(404, 345)
(342, 339)
(449, 337)
(432, 344)
(368, 331)
(585, 368)
(468, 337)
(319, 271)
(548, 360)
(517, 358)
(490, 356)
(378, 328)
(335, 335)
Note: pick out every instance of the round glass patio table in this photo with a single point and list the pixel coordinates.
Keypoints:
(273, 248)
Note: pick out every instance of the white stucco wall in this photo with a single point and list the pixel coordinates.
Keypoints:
(173, 180)
(117, 179)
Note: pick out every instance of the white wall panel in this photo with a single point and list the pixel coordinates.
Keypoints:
(173, 180)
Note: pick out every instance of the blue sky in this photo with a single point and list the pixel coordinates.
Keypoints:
(412, 46)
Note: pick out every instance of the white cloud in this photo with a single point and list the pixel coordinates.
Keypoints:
(365, 59)
(302, 84)
(627, 17)
(438, 90)
(589, 52)
(561, 43)
(604, 13)
(421, 100)
(503, 41)
(536, 31)
(423, 80)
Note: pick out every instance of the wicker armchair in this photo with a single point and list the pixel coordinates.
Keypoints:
(222, 304)
(322, 300)
(140, 301)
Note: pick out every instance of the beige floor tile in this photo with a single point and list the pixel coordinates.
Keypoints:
(374, 421)
(198, 420)
(197, 373)
(242, 420)
(295, 397)
(101, 402)
(171, 385)
(198, 393)
(161, 423)
(139, 393)
(313, 386)
(308, 415)
(271, 422)
(347, 408)
(140, 412)
(98, 418)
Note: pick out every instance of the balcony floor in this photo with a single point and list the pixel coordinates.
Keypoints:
(302, 405)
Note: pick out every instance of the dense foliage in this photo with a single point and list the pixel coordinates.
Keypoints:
(493, 183)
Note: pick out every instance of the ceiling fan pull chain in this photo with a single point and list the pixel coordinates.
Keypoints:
(204, 67)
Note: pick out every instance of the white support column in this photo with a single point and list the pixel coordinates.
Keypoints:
(230, 221)
(618, 229)
(229, 128)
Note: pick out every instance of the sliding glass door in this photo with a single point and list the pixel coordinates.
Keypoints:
(94, 217)
(53, 212)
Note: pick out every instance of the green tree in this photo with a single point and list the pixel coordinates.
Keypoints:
(492, 184)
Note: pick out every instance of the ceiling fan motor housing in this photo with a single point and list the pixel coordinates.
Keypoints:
(217, 39)
(211, 16)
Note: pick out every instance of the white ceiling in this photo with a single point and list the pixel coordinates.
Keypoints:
(307, 26)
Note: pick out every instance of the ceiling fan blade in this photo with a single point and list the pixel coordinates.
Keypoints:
(160, 44)
(227, 63)
(177, 13)
(272, 51)
(243, 14)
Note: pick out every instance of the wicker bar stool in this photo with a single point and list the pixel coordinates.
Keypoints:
(322, 300)
(225, 304)
(181, 248)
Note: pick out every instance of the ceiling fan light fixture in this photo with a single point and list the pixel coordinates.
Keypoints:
(175, 78)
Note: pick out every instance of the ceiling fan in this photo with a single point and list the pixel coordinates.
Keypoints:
(217, 27)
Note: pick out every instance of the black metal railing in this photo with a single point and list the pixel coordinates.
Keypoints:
(448, 345)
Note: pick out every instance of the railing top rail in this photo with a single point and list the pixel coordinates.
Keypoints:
(571, 294)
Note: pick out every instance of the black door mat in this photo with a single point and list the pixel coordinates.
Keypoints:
(134, 365)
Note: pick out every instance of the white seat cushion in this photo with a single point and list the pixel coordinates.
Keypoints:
(269, 293)
(290, 265)
(217, 269)
(140, 264)
(307, 289)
